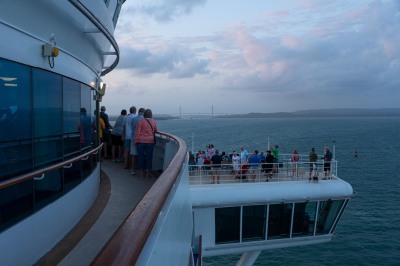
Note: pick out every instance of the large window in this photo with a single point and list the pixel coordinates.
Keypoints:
(71, 110)
(15, 119)
(280, 216)
(39, 117)
(227, 225)
(304, 218)
(47, 117)
(284, 220)
(254, 218)
(327, 213)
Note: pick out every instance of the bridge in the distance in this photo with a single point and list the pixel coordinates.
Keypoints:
(201, 114)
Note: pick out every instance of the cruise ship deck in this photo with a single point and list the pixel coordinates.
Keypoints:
(119, 193)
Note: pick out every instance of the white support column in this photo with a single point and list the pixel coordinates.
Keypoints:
(248, 258)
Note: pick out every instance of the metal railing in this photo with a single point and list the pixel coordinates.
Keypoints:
(41, 172)
(285, 170)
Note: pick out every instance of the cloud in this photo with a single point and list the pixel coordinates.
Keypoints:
(351, 56)
(166, 10)
(319, 54)
(176, 62)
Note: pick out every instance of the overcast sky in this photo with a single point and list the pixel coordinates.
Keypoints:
(240, 56)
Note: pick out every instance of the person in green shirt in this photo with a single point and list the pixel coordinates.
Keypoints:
(275, 153)
(313, 157)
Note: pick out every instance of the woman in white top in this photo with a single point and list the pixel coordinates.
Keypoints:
(200, 161)
(236, 163)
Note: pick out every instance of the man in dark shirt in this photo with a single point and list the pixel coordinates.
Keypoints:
(269, 160)
(327, 162)
(313, 157)
(216, 160)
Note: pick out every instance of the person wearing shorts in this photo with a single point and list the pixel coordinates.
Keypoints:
(327, 162)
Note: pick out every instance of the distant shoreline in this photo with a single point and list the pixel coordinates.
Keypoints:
(329, 113)
(346, 112)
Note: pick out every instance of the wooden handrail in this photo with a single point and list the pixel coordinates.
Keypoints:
(126, 244)
(19, 179)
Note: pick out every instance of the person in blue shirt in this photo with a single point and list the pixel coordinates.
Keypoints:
(85, 129)
(254, 162)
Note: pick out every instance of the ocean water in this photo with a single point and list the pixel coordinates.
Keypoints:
(369, 232)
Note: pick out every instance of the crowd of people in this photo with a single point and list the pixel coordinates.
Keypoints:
(131, 139)
(243, 161)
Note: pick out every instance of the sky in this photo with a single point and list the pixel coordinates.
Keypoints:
(237, 57)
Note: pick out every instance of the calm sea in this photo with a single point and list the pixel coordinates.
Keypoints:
(369, 232)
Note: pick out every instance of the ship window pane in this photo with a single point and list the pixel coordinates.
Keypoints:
(47, 189)
(47, 103)
(327, 213)
(71, 110)
(48, 117)
(15, 119)
(304, 219)
(85, 124)
(227, 225)
(279, 220)
(71, 104)
(340, 215)
(253, 222)
(16, 203)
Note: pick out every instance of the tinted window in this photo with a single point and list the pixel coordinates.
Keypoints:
(304, 218)
(327, 214)
(47, 103)
(227, 225)
(254, 218)
(15, 101)
(279, 220)
(71, 105)
(15, 119)
(48, 117)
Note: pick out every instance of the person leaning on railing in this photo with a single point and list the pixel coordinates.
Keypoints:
(144, 138)
(269, 164)
(216, 161)
(255, 162)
